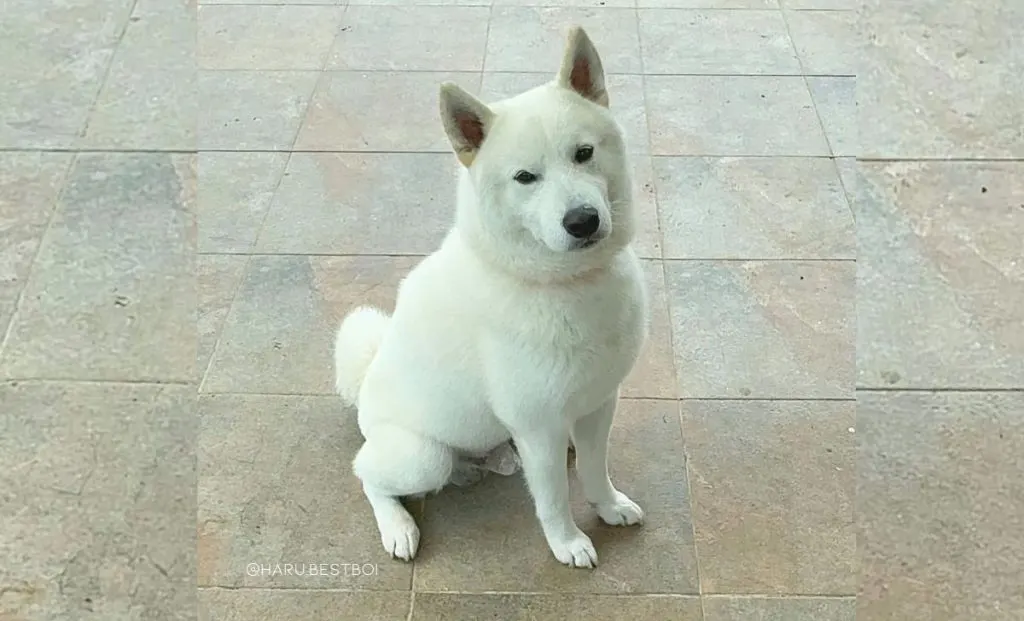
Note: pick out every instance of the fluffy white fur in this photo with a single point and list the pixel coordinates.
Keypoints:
(514, 328)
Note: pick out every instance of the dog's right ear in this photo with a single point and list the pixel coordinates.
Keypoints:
(466, 121)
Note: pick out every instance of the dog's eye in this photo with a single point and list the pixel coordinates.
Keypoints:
(525, 177)
(584, 153)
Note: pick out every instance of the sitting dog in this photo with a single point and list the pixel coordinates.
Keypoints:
(520, 327)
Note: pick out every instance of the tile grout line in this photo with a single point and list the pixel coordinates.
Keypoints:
(663, 269)
(113, 382)
(752, 156)
(650, 146)
(937, 389)
(84, 129)
(688, 473)
(623, 398)
(241, 279)
(807, 84)
(624, 595)
(711, 74)
(259, 230)
(539, 5)
(817, 113)
(642, 258)
(20, 298)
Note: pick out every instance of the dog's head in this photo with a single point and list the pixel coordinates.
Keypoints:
(546, 184)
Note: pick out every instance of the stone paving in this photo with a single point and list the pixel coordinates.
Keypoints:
(828, 419)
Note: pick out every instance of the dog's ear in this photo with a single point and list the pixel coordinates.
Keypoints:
(466, 121)
(581, 68)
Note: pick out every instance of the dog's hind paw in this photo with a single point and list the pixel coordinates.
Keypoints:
(466, 473)
(621, 512)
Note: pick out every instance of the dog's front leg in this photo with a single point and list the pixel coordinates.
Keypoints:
(590, 436)
(547, 476)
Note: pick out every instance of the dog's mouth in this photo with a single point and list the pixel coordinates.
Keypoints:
(587, 243)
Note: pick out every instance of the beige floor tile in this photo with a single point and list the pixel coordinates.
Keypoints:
(935, 79)
(112, 293)
(773, 492)
(763, 329)
(940, 281)
(352, 203)
(653, 376)
(261, 38)
(486, 537)
(625, 91)
(411, 38)
(55, 61)
(611, 4)
(217, 278)
(779, 609)
(732, 115)
(279, 335)
(648, 240)
(273, 2)
(533, 38)
(826, 41)
(98, 501)
(939, 506)
(150, 98)
(737, 42)
(276, 489)
(29, 186)
(255, 110)
(235, 192)
(224, 605)
(753, 208)
(836, 102)
(824, 5)
(418, 2)
(382, 111)
(452, 607)
(709, 4)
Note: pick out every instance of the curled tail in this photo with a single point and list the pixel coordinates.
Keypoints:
(355, 345)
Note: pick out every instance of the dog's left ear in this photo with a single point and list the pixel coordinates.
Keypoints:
(466, 120)
(581, 68)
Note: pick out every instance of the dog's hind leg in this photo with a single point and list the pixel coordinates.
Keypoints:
(394, 463)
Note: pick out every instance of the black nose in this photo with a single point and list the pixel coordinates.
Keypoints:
(581, 222)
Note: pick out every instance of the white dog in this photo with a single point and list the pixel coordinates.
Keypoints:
(521, 326)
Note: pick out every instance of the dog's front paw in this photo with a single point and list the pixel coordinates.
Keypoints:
(577, 551)
(400, 536)
(621, 512)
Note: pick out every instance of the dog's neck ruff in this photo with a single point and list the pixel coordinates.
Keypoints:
(534, 272)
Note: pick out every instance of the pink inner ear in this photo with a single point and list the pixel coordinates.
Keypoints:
(580, 76)
(471, 128)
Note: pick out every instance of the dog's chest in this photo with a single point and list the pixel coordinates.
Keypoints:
(576, 348)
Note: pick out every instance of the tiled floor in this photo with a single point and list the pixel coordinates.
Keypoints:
(828, 419)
